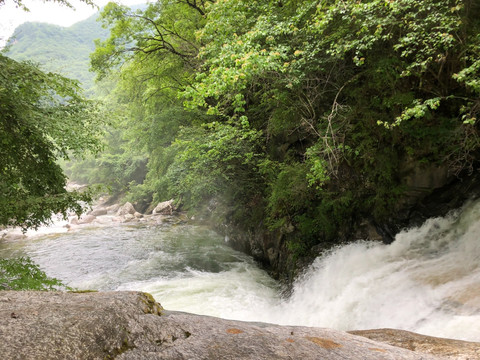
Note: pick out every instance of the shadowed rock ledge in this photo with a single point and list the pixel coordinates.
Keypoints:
(131, 325)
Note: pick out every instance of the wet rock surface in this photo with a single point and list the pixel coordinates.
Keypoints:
(130, 325)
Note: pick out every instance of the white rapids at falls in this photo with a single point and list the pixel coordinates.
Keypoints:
(426, 281)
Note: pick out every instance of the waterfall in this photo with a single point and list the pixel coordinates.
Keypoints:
(427, 281)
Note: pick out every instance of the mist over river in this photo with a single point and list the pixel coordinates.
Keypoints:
(427, 281)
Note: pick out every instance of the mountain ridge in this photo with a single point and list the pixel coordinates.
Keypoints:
(65, 50)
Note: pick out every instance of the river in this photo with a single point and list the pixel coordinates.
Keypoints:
(427, 280)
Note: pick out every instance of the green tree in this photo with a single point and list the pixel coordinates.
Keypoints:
(43, 118)
(151, 54)
(23, 274)
(318, 78)
(20, 3)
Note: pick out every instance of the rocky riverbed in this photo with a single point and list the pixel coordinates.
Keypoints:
(103, 214)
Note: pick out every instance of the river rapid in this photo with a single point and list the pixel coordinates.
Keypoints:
(427, 280)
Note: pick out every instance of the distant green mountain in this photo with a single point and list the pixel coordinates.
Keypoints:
(59, 49)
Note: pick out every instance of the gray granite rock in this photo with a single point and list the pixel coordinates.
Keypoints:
(126, 209)
(131, 325)
(98, 211)
(164, 208)
(447, 348)
(84, 219)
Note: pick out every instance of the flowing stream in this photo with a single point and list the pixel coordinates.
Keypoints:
(427, 281)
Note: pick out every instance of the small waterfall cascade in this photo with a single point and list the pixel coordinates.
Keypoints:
(427, 281)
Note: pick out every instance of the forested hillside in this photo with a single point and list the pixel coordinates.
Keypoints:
(291, 122)
(59, 49)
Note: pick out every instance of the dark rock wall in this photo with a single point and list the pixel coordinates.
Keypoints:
(430, 192)
(427, 199)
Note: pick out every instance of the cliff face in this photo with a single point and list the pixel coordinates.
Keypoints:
(131, 325)
(430, 191)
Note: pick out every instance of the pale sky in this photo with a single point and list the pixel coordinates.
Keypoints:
(40, 11)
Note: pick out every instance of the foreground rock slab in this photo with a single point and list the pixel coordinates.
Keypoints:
(447, 348)
(131, 325)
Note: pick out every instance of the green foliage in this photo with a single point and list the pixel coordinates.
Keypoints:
(117, 172)
(215, 160)
(289, 194)
(297, 248)
(156, 47)
(21, 4)
(247, 44)
(304, 111)
(43, 118)
(164, 30)
(23, 274)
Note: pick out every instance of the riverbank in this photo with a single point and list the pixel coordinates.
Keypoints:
(131, 325)
(102, 214)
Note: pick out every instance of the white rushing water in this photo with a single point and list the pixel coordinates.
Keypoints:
(427, 281)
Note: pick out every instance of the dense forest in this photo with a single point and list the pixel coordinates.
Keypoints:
(291, 119)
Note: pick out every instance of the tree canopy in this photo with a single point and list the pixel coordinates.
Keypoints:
(298, 116)
(43, 118)
(21, 4)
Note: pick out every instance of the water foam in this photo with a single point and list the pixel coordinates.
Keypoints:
(427, 281)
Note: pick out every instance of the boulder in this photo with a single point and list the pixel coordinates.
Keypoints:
(73, 186)
(164, 208)
(429, 199)
(12, 235)
(98, 211)
(84, 219)
(127, 208)
(421, 179)
(112, 209)
(128, 217)
(131, 325)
